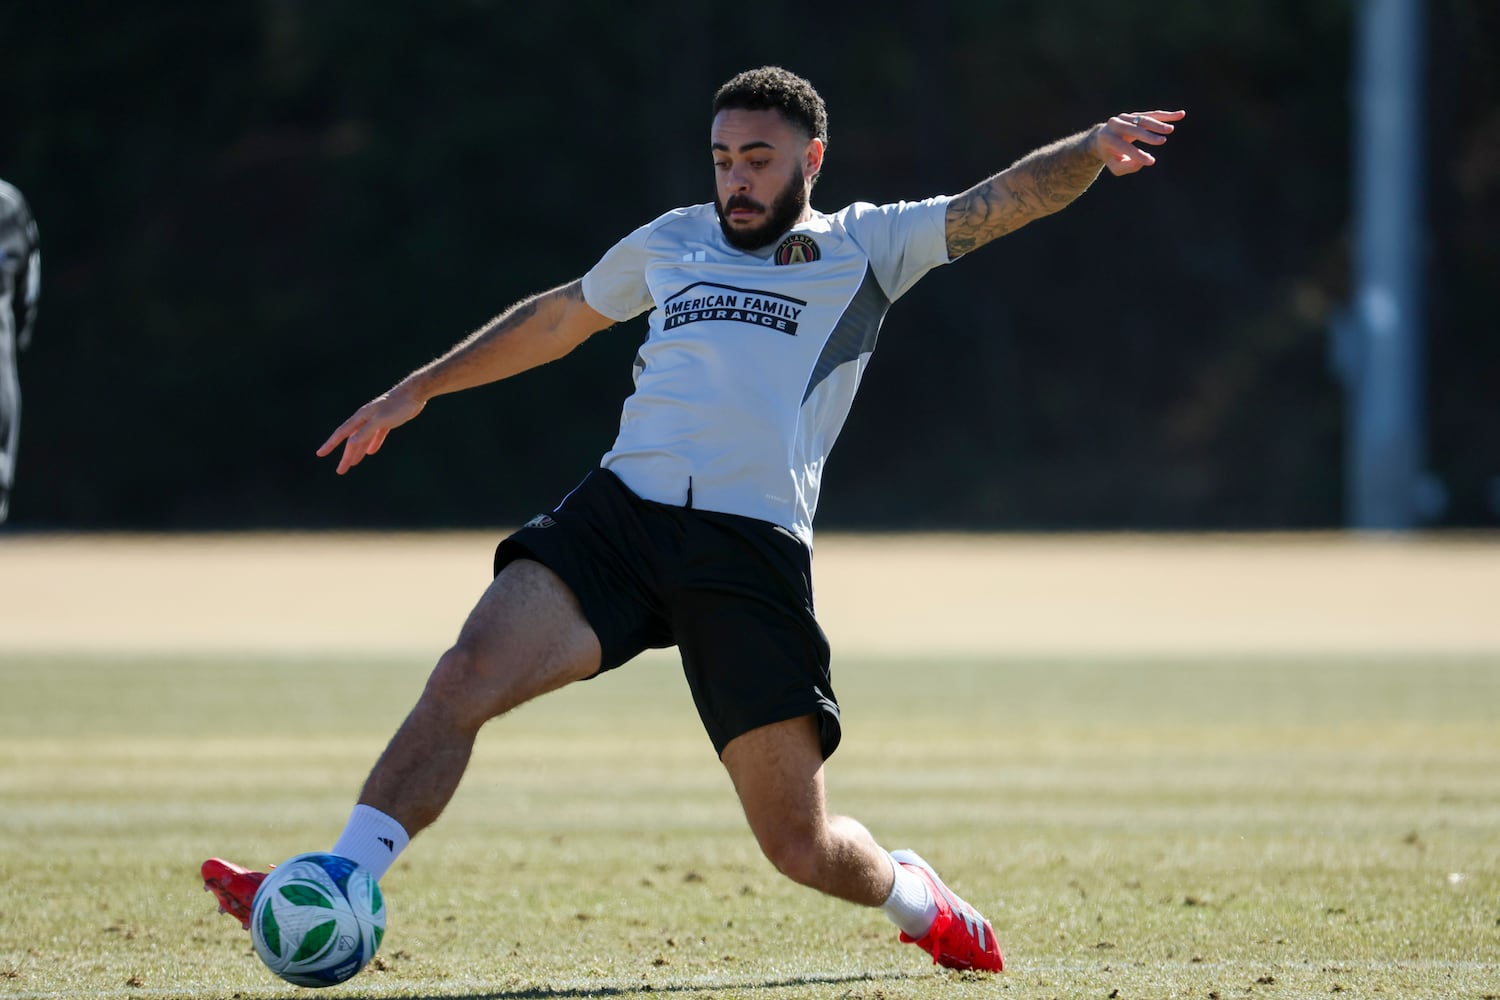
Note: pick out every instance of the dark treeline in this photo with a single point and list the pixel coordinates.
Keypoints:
(256, 214)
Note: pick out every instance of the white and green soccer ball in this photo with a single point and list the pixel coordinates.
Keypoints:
(317, 919)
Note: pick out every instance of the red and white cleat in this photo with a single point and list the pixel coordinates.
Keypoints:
(233, 886)
(960, 938)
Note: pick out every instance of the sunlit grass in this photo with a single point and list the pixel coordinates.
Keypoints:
(1153, 829)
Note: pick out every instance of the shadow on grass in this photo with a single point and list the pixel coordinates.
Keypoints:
(704, 985)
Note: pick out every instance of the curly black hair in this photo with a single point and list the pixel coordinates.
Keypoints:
(776, 89)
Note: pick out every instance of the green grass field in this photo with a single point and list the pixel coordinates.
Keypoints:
(1205, 827)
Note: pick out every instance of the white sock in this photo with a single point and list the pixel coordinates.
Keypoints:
(371, 839)
(910, 906)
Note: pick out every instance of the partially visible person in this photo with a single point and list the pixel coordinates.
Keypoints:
(20, 288)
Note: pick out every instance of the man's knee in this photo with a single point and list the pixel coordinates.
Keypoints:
(464, 688)
(491, 670)
(799, 851)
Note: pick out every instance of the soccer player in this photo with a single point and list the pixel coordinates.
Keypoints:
(20, 288)
(696, 529)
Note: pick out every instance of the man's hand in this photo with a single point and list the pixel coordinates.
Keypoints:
(1114, 141)
(364, 432)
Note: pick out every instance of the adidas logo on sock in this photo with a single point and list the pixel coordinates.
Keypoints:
(390, 845)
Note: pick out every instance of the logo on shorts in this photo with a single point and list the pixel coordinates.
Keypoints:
(540, 521)
(797, 248)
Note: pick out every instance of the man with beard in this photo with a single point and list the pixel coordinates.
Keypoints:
(696, 529)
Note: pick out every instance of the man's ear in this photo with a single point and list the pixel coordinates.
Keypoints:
(812, 164)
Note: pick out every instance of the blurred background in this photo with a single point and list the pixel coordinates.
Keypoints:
(257, 214)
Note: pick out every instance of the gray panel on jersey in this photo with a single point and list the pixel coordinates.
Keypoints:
(855, 333)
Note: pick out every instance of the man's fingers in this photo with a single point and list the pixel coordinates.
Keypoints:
(364, 433)
(1121, 150)
(354, 453)
(360, 445)
(331, 443)
(344, 432)
(377, 440)
(1121, 168)
(1117, 140)
(1140, 128)
(1156, 121)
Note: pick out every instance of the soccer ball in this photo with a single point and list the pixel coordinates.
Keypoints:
(317, 919)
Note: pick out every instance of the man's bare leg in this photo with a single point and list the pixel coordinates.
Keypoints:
(525, 637)
(778, 772)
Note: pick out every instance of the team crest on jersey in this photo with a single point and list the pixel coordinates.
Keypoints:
(797, 248)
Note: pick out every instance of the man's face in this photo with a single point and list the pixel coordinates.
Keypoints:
(764, 168)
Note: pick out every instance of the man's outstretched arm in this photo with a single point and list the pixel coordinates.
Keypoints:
(532, 332)
(1045, 180)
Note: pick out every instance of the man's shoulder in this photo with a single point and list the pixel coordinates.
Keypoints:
(685, 219)
(867, 212)
(667, 235)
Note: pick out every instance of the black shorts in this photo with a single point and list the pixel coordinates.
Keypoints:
(733, 593)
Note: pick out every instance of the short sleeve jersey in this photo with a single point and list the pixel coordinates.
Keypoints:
(752, 359)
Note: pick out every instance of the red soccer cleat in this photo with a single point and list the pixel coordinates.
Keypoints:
(959, 938)
(233, 886)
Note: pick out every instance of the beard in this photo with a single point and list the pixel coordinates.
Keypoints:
(786, 208)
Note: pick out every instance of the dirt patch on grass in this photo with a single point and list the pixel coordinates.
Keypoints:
(947, 594)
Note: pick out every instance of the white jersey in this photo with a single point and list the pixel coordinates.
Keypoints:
(753, 358)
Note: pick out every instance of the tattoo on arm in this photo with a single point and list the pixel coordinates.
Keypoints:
(1038, 184)
(984, 212)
